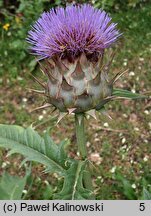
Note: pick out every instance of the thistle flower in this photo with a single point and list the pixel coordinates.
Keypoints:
(72, 42)
(72, 31)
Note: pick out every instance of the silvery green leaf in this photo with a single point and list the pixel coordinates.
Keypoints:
(127, 94)
(146, 194)
(35, 148)
(11, 187)
(73, 188)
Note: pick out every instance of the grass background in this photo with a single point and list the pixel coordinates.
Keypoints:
(119, 149)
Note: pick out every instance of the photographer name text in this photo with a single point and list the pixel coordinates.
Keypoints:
(53, 207)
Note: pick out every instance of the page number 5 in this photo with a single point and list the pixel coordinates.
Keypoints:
(142, 206)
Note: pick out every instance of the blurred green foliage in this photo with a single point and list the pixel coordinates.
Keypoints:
(111, 5)
(16, 17)
(19, 16)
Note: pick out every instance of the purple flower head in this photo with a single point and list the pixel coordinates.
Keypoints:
(72, 31)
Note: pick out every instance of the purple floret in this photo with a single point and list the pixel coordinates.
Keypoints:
(72, 31)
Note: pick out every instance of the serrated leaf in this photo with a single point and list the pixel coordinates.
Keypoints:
(62, 154)
(73, 188)
(11, 187)
(127, 94)
(30, 144)
(56, 152)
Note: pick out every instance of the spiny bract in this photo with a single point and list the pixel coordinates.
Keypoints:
(72, 42)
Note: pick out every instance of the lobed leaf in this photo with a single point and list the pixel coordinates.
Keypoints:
(43, 150)
(35, 148)
(73, 188)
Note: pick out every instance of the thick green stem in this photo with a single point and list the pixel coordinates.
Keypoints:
(81, 141)
(80, 134)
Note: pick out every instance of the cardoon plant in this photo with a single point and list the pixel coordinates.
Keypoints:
(70, 45)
